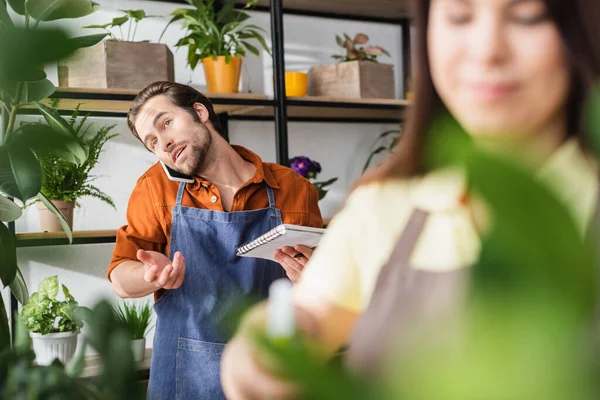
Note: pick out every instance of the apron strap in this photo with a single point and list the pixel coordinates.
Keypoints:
(271, 197)
(409, 237)
(180, 193)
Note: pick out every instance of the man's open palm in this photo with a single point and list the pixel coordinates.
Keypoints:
(160, 271)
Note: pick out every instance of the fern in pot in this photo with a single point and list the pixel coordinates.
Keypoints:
(52, 323)
(136, 319)
(65, 182)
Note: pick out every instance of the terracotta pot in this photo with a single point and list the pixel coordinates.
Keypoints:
(221, 77)
(49, 222)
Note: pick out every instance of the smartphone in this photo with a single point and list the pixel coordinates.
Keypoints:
(176, 176)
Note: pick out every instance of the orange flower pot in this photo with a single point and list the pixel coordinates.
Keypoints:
(222, 77)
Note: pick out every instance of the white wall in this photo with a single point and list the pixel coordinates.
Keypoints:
(341, 148)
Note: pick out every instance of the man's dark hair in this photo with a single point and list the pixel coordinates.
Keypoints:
(183, 96)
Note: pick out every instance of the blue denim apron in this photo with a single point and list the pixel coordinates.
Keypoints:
(189, 336)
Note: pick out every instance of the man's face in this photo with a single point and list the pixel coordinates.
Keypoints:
(172, 133)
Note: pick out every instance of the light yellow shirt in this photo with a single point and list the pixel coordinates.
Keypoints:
(360, 238)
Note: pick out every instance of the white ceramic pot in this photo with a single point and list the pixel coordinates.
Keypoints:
(49, 347)
(138, 347)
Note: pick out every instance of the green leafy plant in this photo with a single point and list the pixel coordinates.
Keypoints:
(212, 33)
(355, 53)
(67, 181)
(132, 16)
(386, 142)
(21, 378)
(23, 83)
(135, 318)
(44, 313)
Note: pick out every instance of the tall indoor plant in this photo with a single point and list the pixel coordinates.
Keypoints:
(23, 84)
(136, 319)
(219, 39)
(65, 182)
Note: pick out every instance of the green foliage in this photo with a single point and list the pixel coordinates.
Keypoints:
(20, 378)
(355, 53)
(64, 180)
(131, 16)
(385, 143)
(213, 33)
(135, 318)
(44, 313)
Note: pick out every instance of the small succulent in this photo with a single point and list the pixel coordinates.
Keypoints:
(309, 169)
(355, 53)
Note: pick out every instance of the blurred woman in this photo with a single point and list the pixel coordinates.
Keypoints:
(508, 71)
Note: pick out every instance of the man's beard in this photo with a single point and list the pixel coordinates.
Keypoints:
(198, 154)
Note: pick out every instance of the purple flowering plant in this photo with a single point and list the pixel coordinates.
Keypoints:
(309, 169)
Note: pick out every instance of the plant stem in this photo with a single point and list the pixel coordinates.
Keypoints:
(129, 30)
(121, 29)
(27, 21)
(11, 122)
(134, 31)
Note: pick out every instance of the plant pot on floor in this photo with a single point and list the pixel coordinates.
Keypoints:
(49, 222)
(138, 348)
(222, 77)
(51, 346)
(117, 64)
(353, 79)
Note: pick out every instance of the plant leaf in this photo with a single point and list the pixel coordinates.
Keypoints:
(20, 173)
(44, 10)
(104, 26)
(251, 48)
(23, 51)
(61, 218)
(4, 16)
(18, 6)
(36, 91)
(339, 41)
(9, 211)
(361, 38)
(18, 287)
(4, 328)
(75, 367)
(119, 21)
(8, 256)
(88, 41)
(67, 294)
(56, 122)
(43, 140)
(137, 15)
(22, 338)
(49, 287)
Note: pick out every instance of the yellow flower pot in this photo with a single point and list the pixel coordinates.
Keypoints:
(296, 84)
(222, 77)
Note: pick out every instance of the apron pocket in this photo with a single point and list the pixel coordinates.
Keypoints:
(198, 374)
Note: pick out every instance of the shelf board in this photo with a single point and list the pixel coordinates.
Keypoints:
(119, 100)
(330, 109)
(37, 239)
(375, 10)
(247, 106)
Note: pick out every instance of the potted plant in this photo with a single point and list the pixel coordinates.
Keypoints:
(65, 182)
(309, 169)
(51, 322)
(119, 61)
(358, 73)
(219, 39)
(136, 319)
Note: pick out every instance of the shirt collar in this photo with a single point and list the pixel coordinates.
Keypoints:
(263, 171)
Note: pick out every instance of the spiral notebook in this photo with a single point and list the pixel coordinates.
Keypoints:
(283, 235)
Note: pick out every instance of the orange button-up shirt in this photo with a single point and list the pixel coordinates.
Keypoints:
(149, 210)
